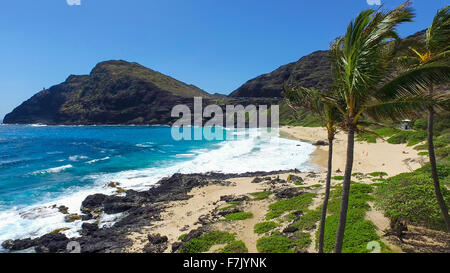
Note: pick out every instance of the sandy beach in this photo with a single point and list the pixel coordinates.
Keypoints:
(181, 217)
(368, 157)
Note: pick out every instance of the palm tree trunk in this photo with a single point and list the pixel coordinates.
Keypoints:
(434, 174)
(327, 196)
(345, 189)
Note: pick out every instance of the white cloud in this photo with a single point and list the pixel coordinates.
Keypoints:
(73, 2)
(374, 2)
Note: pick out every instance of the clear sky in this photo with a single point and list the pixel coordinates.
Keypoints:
(216, 45)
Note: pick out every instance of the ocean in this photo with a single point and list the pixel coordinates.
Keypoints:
(44, 166)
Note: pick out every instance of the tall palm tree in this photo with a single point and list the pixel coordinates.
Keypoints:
(362, 60)
(435, 49)
(310, 100)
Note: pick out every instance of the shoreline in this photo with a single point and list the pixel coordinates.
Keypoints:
(368, 157)
(193, 204)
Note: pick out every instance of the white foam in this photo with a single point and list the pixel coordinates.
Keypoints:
(77, 157)
(97, 160)
(53, 170)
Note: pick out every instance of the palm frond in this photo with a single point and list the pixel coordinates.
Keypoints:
(414, 81)
(405, 107)
(438, 34)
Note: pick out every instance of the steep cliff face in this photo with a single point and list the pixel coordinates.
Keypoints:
(115, 92)
(313, 70)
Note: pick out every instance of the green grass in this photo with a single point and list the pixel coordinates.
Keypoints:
(234, 247)
(309, 219)
(206, 241)
(300, 202)
(260, 195)
(182, 236)
(377, 174)
(409, 136)
(275, 244)
(366, 137)
(338, 177)
(358, 231)
(264, 227)
(238, 216)
(304, 240)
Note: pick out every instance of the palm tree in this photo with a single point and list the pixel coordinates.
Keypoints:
(435, 49)
(362, 62)
(310, 100)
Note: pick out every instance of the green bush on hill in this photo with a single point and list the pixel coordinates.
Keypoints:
(410, 197)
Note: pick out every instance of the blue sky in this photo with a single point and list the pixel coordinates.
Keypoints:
(215, 44)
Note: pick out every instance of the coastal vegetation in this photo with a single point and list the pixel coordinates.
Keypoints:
(371, 87)
(264, 227)
(238, 216)
(297, 203)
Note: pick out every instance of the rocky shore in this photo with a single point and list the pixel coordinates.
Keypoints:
(139, 209)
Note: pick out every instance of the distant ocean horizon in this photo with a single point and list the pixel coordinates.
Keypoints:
(44, 167)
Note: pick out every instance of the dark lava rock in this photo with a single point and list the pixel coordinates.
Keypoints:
(233, 198)
(72, 218)
(157, 239)
(157, 244)
(93, 202)
(277, 180)
(63, 209)
(290, 229)
(195, 233)
(295, 178)
(176, 246)
(88, 228)
(229, 211)
(312, 175)
(321, 143)
(257, 180)
(287, 193)
(52, 243)
(20, 244)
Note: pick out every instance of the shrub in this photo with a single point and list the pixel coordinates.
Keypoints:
(300, 202)
(377, 174)
(410, 137)
(206, 241)
(358, 231)
(234, 247)
(304, 240)
(275, 244)
(367, 137)
(260, 195)
(264, 227)
(410, 197)
(309, 219)
(338, 177)
(238, 216)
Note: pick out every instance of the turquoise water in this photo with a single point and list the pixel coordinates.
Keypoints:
(42, 166)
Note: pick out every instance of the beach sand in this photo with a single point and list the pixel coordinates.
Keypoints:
(368, 157)
(180, 217)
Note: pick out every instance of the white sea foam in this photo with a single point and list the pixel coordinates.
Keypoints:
(77, 157)
(97, 160)
(257, 153)
(53, 170)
